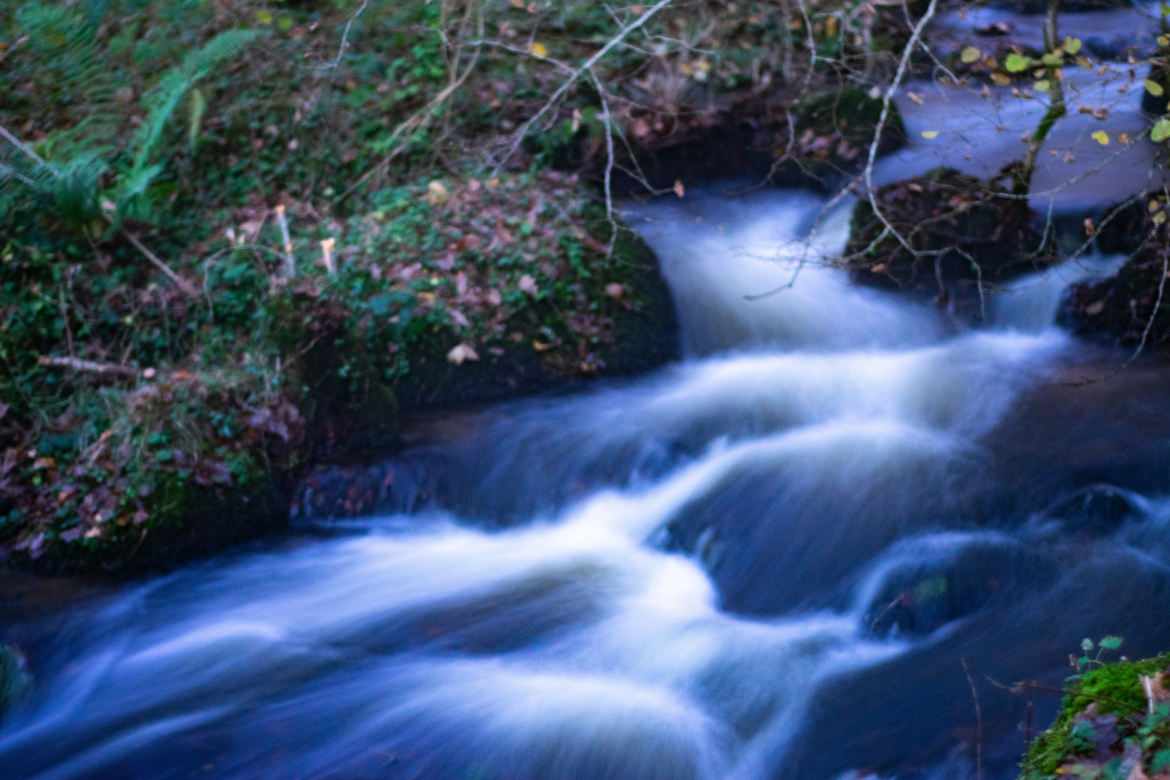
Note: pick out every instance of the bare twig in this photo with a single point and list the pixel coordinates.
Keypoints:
(887, 98)
(581, 70)
(345, 36)
(87, 366)
(182, 283)
(978, 721)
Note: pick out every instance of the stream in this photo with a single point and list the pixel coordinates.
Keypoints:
(823, 545)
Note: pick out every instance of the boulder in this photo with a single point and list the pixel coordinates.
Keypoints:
(963, 234)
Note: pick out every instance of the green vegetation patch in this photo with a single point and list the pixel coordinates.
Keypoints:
(1114, 723)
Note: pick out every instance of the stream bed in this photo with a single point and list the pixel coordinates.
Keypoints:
(823, 545)
(809, 550)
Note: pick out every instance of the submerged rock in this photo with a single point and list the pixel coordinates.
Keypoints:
(14, 679)
(1097, 510)
(922, 596)
(960, 236)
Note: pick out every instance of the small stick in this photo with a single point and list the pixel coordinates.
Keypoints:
(327, 256)
(978, 722)
(88, 366)
(290, 269)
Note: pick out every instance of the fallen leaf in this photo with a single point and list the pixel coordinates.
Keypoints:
(527, 285)
(1101, 137)
(437, 193)
(462, 352)
(679, 189)
(930, 133)
(539, 49)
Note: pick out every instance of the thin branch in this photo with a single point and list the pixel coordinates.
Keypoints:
(345, 36)
(978, 722)
(182, 283)
(87, 366)
(887, 98)
(581, 70)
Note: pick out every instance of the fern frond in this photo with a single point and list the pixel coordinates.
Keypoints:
(70, 189)
(63, 41)
(161, 101)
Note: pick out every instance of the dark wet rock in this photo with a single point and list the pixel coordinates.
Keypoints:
(962, 233)
(764, 137)
(1129, 307)
(925, 594)
(1097, 510)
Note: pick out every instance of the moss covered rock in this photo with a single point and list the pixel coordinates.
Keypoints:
(1105, 727)
(960, 235)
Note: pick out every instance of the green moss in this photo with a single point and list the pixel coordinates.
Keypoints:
(1114, 688)
(853, 115)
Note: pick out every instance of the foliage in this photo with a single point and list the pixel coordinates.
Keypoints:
(1114, 723)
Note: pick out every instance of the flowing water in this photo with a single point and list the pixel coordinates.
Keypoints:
(805, 551)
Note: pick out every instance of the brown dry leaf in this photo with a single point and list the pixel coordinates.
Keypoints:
(1095, 308)
(679, 189)
(527, 285)
(615, 290)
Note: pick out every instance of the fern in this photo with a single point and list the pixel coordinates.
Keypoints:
(71, 67)
(160, 103)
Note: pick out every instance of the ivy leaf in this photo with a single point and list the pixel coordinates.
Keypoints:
(1072, 45)
(1041, 86)
(1160, 131)
(1015, 63)
(1111, 642)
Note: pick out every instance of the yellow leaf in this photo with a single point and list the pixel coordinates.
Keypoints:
(264, 17)
(436, 193)
(517, 3)
(539, 49)
(1154, 88)
(1101, 137)
(970, 54)
(1041, 86)
(930, 133)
